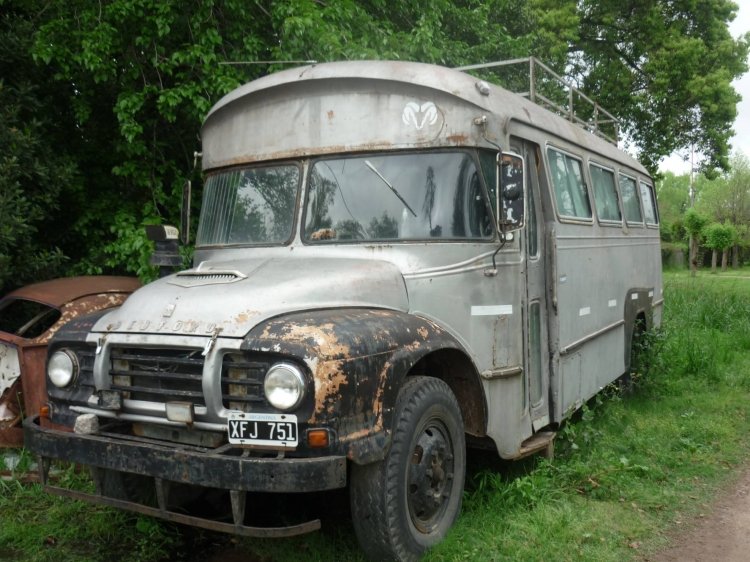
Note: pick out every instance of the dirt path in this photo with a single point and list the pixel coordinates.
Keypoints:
(722, 534)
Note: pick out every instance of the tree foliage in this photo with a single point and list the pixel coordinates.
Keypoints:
(695, 222)
(35, 170)
(719, 236)
(666, 69)
(673, 194)
(101, 102)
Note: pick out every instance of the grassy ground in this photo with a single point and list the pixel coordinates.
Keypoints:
(627, 468)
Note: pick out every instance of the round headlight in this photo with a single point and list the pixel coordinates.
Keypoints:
(62, 368)
(284, 386)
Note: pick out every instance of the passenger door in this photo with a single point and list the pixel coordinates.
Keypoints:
(536, 333)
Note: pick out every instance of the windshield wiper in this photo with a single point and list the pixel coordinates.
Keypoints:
(393, 189)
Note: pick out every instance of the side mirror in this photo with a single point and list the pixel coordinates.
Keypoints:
(167, 252)
(510, 192)
(185, 213)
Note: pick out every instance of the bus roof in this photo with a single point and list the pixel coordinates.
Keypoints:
(356, 106)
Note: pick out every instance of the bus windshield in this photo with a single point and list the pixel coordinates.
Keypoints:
(253, 206)
(407, 196)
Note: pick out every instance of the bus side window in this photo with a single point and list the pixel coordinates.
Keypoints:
(605, 193)
(630, 199)
(649, 204)
(570, 190)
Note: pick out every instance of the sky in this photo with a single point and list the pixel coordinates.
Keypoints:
(741, 141)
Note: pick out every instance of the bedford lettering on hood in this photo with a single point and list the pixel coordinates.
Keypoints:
(233, 299)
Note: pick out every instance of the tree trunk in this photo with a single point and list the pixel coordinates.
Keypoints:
(736, 256)
(714, 259)
(724, 259)
(693, 255)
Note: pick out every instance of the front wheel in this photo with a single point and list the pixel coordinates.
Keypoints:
(406, 503)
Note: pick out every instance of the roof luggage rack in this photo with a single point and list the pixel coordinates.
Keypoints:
(546, 88)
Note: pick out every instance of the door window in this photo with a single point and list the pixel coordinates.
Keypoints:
(570, 190)
(605, 194)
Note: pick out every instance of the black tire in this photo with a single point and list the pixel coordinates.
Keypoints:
(406, 503)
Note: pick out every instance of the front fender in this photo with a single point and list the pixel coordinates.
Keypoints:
(358, 359)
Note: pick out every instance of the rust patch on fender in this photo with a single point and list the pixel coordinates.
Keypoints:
(329, 377)
(357, 359)
(323, 338)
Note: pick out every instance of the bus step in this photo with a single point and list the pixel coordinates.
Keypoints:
(543, 442)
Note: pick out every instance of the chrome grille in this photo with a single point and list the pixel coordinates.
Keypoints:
(158, 375)
(242, 382)
(86, 364)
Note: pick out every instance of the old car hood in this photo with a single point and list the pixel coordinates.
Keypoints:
(230, 298)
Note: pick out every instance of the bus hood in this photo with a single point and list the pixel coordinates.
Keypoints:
(230, 298)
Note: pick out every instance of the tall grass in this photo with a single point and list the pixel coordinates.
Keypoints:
(627, 467)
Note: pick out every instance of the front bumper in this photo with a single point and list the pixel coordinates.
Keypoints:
(224, 468)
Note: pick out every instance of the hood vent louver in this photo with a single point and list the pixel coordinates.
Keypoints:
(211, 277)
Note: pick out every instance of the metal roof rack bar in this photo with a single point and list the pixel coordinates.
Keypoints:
(596, 119)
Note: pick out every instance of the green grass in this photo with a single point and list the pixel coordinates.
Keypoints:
(626, 468)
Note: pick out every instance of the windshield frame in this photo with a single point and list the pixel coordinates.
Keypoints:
(480, 171)
(301, 171)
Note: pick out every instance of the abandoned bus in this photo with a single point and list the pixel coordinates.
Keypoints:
(393, 260)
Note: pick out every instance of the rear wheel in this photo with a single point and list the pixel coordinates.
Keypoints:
(637, 342)
(406, 503)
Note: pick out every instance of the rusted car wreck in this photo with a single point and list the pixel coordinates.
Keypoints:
(393, 260)
(29, 317)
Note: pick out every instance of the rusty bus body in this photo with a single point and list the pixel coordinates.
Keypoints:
(349, 241)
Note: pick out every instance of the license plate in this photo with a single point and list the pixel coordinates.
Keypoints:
(269, 430)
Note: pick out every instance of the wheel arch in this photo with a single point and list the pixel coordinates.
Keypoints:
(360, 358)
(455, 368)
(639, 317)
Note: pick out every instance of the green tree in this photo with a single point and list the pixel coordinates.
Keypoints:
(719, 238)
(726, 199)
(673, 194)
(665, 68)
(36, 170)
(694, 223)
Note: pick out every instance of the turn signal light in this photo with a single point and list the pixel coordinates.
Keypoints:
(44, 412)
(317, 438)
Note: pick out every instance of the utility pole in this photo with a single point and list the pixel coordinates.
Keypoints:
(692, 242)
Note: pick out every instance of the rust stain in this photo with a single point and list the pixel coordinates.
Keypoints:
(361, 433)
(59, 292)
(377, 404)
(245, 316)
(306, 151)
(324, 336)
(458, 138)
(422, 331)
(82, 307)
(330, 114)
(329, 378)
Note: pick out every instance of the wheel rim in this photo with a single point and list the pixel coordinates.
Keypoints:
(430, 476)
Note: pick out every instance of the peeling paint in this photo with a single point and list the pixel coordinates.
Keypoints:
(357, 359)
(244, 317)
